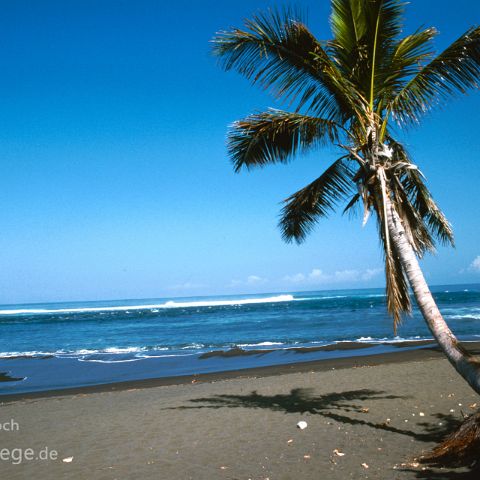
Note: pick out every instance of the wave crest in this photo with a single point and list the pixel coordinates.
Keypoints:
(154, 308)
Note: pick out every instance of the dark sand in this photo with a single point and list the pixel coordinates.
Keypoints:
(242, 425)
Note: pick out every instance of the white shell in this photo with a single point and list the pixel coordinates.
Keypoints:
(67, 460)
(302, 424)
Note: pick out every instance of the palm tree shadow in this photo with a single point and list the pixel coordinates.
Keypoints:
(336, 406)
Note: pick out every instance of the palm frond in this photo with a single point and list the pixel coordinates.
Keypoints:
(455, 70)
(385, 24)
(414, 225)
(406, 60)
(350, 207)
(275, 136)
(304, 208)
(421, 198)
(398, 297)
(365, 32)
(278, 51)
(349, 25)
(427, 208)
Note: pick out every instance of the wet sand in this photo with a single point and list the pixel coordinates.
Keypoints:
(242, 425)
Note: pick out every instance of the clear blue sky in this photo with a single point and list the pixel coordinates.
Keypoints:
(115, 181)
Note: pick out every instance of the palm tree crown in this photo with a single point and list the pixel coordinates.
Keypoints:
(351, 91)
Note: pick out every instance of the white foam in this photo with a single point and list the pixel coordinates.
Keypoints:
(364, 339)
(467, 316)
(123, 350)
(146, 356)
(330, 297)
(396, 339)
(261, 344)
(82, 352)
(95, 360)
(169, 304)
(85, 351)
(25, 354)
(192, 346)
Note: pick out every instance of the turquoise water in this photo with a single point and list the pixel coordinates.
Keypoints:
(71, 338)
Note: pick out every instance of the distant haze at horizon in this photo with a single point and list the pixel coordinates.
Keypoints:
(115, 177)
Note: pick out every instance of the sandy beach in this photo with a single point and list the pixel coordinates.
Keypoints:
(367, 417)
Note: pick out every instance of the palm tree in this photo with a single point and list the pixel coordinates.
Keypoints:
(355, 91)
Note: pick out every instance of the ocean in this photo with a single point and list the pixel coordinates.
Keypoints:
(63, 345)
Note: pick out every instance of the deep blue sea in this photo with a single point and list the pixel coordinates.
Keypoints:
(61, 345)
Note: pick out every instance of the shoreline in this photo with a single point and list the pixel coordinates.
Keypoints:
(426, 350)
(424, 353)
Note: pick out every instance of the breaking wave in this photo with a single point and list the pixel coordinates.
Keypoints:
(169, 304)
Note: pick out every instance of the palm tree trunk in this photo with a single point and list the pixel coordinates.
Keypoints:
(466, 365)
